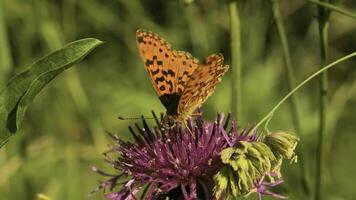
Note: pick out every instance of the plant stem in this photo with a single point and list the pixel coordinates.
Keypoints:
(270, 113)
(235, 45)
(323, 15)
(291, 83)
(332, 7)
(287, 59)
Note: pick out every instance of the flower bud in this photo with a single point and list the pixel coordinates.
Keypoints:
(282, 144)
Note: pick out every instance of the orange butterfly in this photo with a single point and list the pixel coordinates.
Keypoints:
(181, 82)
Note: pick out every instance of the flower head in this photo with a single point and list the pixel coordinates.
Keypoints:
(166, 160)
(196, 160)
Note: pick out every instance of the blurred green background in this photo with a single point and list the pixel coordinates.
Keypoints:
(64, 130)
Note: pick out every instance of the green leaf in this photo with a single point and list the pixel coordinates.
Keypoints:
(23, 88)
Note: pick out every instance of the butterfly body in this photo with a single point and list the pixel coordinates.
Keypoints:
(181, 82)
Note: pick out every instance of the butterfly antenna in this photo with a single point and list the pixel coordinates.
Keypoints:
(156, 118)
(134, 118)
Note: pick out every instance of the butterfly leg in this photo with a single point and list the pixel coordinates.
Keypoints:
(187, 127)
(198, 114)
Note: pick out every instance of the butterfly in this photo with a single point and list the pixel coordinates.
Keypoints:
(182, 83)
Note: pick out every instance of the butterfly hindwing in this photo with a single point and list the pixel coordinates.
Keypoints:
(168, 69)
(202, 84)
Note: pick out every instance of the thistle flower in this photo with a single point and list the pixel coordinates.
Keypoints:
(263, 188)
(199, 160)
(167, 162)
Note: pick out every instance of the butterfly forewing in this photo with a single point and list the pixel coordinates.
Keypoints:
(168, 69)
(202, 83)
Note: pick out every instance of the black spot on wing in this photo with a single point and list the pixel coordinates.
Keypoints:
(148, 63)
(160, 79)
(170, 102)
(169, 72)
(170, 85)
(140, 39)
(154, 72)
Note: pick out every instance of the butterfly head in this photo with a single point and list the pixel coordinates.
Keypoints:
(168, 121)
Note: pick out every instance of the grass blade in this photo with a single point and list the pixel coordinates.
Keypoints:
(332, 7)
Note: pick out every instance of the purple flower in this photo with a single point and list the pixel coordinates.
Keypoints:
(263, 188)
(178, 162)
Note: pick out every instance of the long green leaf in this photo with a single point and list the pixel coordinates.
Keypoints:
(22, 89)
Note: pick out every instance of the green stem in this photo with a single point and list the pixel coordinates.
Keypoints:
(334, 8)
(291, 84)
(287, 59)
(270, 114)
(235, 44)
(321, 146)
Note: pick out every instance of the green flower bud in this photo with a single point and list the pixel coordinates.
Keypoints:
(245, 164)
(282, 144)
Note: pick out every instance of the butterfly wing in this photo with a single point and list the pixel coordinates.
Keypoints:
(202, 84)
(169, 70)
